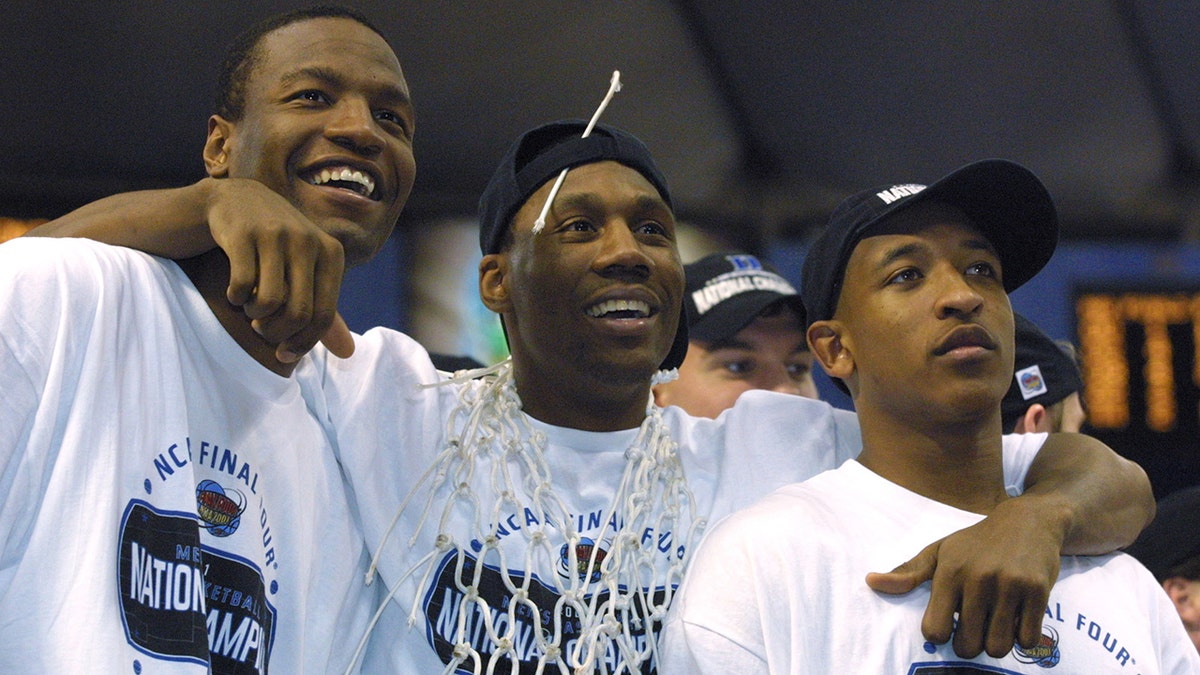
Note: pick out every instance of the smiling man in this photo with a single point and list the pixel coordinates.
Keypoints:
(906, 292)
(168, 504)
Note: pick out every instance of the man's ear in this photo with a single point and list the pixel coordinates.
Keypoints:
(216, 147)
(1177, 588)
(493, 282)
(830, 349)
(1035, 419)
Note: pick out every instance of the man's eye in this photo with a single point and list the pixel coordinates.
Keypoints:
(313, 96)
(652, 228)
(739, 367)
(580, 225)
(392, 117)
(798, 370)
(905, 276)
(982, 269)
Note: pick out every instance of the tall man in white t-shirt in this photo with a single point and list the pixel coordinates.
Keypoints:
(168, 503)
(906, 293)
(538, 518)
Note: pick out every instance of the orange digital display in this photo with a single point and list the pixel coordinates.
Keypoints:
(1109, 371)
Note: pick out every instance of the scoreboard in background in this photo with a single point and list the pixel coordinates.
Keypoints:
(1141, 375)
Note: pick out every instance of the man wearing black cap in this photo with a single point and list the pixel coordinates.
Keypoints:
(537, 518)
(906, 293)
(745, 331)
(1170, 548)
(1044, 394)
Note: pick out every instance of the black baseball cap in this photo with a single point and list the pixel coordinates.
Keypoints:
(1004, 201)
(726, 291)
(1044, 373)
(1173, 537)
(539, 155)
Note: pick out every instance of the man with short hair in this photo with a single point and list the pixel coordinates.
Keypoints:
(745, 331)
(1045, 391)
(538, 518)
(168, 503)
(906, 293)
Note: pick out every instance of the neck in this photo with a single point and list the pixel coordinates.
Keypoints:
(960, 465)
(209, 272)
(580, 402)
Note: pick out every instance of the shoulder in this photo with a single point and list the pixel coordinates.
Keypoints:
(27, 259)
(795, 510)
(43, 277)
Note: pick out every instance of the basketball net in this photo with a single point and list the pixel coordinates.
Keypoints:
(605, 616)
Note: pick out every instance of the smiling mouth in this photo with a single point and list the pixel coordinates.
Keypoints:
(345, 178)
(620, 309)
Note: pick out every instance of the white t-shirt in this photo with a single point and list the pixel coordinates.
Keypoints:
(498, 581)
(161, 493)
(779, 588)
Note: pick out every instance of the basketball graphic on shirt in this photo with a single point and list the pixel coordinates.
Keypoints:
(583, 560)
(219, 509)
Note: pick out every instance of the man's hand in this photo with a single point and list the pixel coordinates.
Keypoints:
(285, 272)
(996, 575)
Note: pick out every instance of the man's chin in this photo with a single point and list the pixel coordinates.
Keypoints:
(360, 242)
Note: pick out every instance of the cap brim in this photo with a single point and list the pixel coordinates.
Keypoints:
(1008, 205)
(724, 320)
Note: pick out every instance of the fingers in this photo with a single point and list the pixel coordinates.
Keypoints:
(1029, 623)
(907, 576)
(309, 313)
(243, 272)
(985, 611)
(316, 294)
(285, 272)
(338, 339)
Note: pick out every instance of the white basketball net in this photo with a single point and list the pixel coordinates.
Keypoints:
(604, 618)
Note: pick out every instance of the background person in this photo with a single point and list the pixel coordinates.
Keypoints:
(1170, 548)
(1046, 387)
(745, 331)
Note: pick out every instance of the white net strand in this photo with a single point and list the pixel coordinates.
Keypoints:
(614, 86)
(614, 601)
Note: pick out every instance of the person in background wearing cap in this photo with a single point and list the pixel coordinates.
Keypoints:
(745, 331)
(538, 516)
(906, 294)
(1044, 394)
(1170, 548)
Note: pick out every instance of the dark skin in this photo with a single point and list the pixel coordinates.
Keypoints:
(1080, 498)
(609, 237)
(327, 95)
(928, 405)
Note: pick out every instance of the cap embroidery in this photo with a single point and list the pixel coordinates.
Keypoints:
(899, 191)
(1031, 382)
(735, 283)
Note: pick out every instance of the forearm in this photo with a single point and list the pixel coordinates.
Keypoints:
(1100, 500)
(170, 222)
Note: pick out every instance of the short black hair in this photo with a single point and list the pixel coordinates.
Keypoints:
(244, 54)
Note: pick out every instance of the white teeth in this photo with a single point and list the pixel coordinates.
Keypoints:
(642, 309)
(347, 175)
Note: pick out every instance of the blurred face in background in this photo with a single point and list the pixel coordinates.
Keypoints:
(769, 353)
